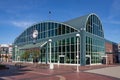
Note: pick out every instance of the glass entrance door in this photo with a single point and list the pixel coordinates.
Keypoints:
(61, 59)
(87, 60)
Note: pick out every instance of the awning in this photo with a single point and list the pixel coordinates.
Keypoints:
(29, 46)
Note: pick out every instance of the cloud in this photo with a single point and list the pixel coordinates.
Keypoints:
(22, 24)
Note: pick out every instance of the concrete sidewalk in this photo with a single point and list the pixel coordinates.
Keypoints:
(109, 71)
(61, 72)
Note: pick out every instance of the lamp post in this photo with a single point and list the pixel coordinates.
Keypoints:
(77, 35)
(51, 65)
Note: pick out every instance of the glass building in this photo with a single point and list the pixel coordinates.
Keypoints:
(91, 43)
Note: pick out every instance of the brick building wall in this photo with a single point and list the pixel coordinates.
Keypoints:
(111, 51)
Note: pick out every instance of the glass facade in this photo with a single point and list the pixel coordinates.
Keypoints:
(94, 48)
(95, 43)
(45, 30)
(64, 45)
(63, 50)
(94, 26)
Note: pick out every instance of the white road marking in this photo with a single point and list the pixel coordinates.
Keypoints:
(61, 77)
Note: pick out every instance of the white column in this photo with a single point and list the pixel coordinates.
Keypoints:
(51, 65)
(77, 35)
(50, 52)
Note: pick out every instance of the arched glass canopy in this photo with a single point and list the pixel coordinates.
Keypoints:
(44, 30)
(94, 26)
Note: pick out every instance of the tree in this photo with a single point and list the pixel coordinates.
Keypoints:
(25, 55)
(34, 53)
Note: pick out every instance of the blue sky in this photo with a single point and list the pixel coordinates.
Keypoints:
(17, 15)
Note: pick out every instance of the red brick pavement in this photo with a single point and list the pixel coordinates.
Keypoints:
(59, 73)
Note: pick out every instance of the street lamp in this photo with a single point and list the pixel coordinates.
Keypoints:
(78, 36)
(51, 65)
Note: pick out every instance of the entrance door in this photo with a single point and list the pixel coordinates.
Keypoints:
(61, 59)
(87, 60)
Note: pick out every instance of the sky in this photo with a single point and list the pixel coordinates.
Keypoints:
(17, 15)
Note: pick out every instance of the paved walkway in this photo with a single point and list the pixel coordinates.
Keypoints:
(29, 72)
(109, 71)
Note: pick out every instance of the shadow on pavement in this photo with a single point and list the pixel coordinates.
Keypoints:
(13, 70)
